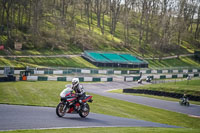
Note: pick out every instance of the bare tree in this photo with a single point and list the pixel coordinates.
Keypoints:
(180, 23)
(87, 10)
(197, 31)
(114, 14)
(98, 7)
(104, 12)
(141, 30)
(126, 21)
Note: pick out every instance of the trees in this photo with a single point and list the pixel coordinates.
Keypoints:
(157, 25)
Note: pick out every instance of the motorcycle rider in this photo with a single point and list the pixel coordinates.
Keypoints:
(79, 91)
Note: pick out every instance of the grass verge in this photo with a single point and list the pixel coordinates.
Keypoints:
(152, 96)
(167, 63)
(191, 87)
(111, 130)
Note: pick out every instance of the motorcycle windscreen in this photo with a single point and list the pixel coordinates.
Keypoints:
(65, 92)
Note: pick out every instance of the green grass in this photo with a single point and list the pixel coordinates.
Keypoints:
(40, 52)
(22, 62)
(152, 96)
(111, 130)
(79, 62)
(191, 87)
(182, 62)
(47, 94)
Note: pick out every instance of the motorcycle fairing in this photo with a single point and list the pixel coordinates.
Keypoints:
(71, 99)
(87, 98)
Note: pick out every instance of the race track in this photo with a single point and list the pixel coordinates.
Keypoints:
(14, 117)
(103, 88)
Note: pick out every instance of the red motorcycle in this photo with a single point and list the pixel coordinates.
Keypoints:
(69, 104)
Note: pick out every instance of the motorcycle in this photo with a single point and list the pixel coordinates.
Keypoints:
(148, 79)
(69, 104)
(184, 101)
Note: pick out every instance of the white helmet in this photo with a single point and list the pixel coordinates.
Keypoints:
(75, 82)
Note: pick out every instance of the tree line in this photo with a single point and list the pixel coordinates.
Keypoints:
(161, 25)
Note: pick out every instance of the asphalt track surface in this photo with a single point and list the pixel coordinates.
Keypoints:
(13, 117)
(103, 88)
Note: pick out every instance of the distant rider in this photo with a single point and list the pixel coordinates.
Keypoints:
(79, 90)
(185, 98)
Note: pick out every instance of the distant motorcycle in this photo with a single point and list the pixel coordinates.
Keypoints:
(184, 101)
(69, 104)
(148, 79)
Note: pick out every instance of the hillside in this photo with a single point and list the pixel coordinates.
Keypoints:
(78, 62)
(70, 27)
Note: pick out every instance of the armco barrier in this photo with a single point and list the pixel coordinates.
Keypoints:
(81, 79)
(161, 93)
(168, 76)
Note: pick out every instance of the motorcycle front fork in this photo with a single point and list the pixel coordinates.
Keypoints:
(78, 108)
(66, 104)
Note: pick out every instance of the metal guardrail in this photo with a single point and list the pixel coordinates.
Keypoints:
(63, 70)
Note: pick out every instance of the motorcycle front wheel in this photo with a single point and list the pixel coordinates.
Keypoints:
(60, 110)
(84, 112)
(181, 103)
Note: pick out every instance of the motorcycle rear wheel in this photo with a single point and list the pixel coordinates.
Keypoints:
(187, 104)
(83, 113)
(60, 111)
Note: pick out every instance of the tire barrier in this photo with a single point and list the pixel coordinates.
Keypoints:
(161, 93)
(81, 79)
(9, 78)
